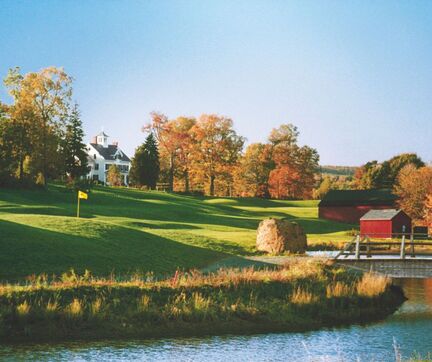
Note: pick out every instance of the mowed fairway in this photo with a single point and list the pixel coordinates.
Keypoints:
(124, 231)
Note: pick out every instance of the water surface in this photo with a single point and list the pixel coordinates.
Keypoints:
(410, 328)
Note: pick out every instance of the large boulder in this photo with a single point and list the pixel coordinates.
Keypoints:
(277, 236)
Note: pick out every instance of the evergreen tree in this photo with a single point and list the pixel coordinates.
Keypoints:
(145, 164)
(75, 156)
(137, 170)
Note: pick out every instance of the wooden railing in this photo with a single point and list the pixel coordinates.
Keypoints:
(364, 246)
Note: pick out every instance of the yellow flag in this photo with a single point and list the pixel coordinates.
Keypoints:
(82, 195)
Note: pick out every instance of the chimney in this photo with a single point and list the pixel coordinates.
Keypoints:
(93, 140)
(115, 143)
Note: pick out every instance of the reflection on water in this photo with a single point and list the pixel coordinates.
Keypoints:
(410, 327)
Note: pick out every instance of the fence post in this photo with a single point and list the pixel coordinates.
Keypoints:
(412, 245)
(368, 247)
(402, 250)
(357, 248)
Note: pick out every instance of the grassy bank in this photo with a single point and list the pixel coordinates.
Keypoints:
(126, 230)
(300, 296)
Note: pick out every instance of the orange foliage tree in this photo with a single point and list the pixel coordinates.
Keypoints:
(413, 186)
(295, 166)
(174, 139)
(252, 174)
(215, 150)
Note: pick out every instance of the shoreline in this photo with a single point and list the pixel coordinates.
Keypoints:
(307, 295)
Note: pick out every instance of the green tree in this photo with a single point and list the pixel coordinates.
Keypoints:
(75, 156)
(137, 171)
(114, 177)
(7, 160)
(151, 160)
(145, 164)
(392, 167)
(375, 175)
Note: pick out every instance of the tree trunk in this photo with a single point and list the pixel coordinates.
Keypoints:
(21, 168)
(44, 152)
(21, 158)
(171, 174)
(186, 177)
(212, 187)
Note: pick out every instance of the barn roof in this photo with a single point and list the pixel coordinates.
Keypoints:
(385, 214)
(358, 197)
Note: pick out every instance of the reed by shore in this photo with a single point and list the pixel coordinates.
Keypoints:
(303, 295)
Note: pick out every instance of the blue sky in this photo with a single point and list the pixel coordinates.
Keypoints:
(354, 76)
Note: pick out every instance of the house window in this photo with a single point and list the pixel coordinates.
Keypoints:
(94, 156)
(107, 166)
(96, 166)
(124, 168)
(95, 178)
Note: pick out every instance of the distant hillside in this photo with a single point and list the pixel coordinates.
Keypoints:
(338, 170)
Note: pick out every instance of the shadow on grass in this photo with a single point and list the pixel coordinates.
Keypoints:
(26, 250)
(171, 209)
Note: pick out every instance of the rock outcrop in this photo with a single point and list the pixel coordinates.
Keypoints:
(277, 236)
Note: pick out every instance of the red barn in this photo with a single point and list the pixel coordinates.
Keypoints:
(350, 205)
(385, 223)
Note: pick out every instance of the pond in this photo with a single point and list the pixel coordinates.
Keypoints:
(407, 332)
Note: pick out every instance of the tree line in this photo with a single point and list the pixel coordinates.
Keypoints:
(206, 155)
(41, 135)
(406, 175)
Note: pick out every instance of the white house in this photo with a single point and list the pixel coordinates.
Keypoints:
(101, 156)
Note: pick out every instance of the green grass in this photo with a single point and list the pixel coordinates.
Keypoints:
(127, 230)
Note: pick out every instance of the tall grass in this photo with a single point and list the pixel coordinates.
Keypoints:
(304, 294)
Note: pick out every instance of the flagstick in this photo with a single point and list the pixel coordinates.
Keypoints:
(78, 205)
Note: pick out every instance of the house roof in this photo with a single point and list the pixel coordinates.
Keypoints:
(358, 198)
(103, 134)
(109, 153)
(385, 214)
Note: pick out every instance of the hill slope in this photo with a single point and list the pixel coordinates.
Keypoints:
(338, 170)
(125, 230)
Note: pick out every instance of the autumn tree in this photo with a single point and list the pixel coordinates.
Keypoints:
(252, 173)
(160, 128)
(216, 148)
(174, 141)
(74, 153)
(41, 100)
(324, 187)
(295, 166)
(114, 177)
(8, 162)
(18, 127)
(428, 210)
(413, 187)
(180, 130)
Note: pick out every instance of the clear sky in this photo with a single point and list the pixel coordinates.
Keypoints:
(354, 76)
